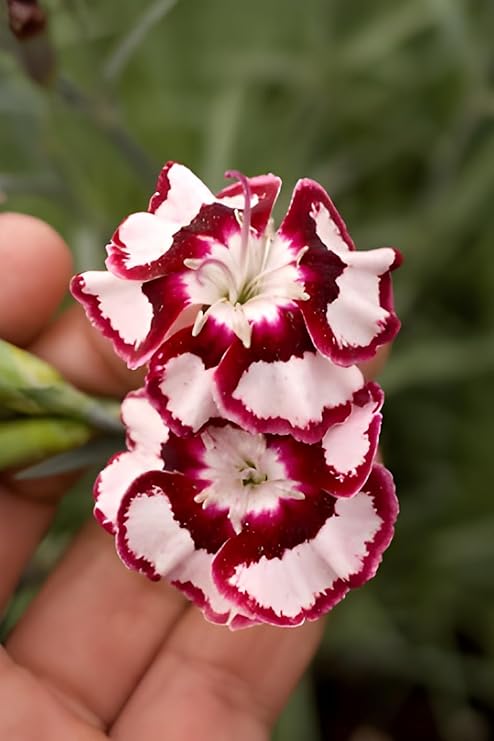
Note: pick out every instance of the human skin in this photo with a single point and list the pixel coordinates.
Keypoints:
(101, 652)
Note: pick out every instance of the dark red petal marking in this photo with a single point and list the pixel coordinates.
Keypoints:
(320, 269)
(209, 527)
(204, 600)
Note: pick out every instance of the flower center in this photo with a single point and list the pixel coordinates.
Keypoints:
(247, 279)
(250, 476)
(241, 474)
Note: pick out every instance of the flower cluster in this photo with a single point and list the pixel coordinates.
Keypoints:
(249, 479)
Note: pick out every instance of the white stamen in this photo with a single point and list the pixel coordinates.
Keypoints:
(199, 323)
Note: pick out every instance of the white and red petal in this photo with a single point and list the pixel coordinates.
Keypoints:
(299, 226)
(180, 378)
(114, 480)
(341, 462)
(145, 428)
(135, 316)
(154, 538)
(285, 583)
(281, 385)
(208, 527)
(264, 192)
(214, 227)
(141, 241)
(146, 434)
(362, 316)
(350, 311)
(149, 538)
(350, 447)
(194, 579)
(352, 315)
(179, 195)
(349, 323)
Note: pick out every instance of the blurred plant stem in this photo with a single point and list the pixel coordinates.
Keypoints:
(123, 52)
(103, 114)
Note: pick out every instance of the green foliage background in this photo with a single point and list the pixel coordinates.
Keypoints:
(390, 105)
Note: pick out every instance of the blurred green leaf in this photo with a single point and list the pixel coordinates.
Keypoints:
(439, 361)
(121, 55)
(94, 452)
(23, 441)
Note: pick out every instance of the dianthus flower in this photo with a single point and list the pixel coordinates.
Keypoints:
(273, 322)
(251, 527)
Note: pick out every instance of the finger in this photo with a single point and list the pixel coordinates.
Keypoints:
(36, 267)
(95, 627)
(215, 685)
(84, 357)
(31, 711)
(22, 525)
(371, 368)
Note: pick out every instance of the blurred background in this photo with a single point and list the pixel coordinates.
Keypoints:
(390, 105)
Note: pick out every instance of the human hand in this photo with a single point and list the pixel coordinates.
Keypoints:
(101, 652)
